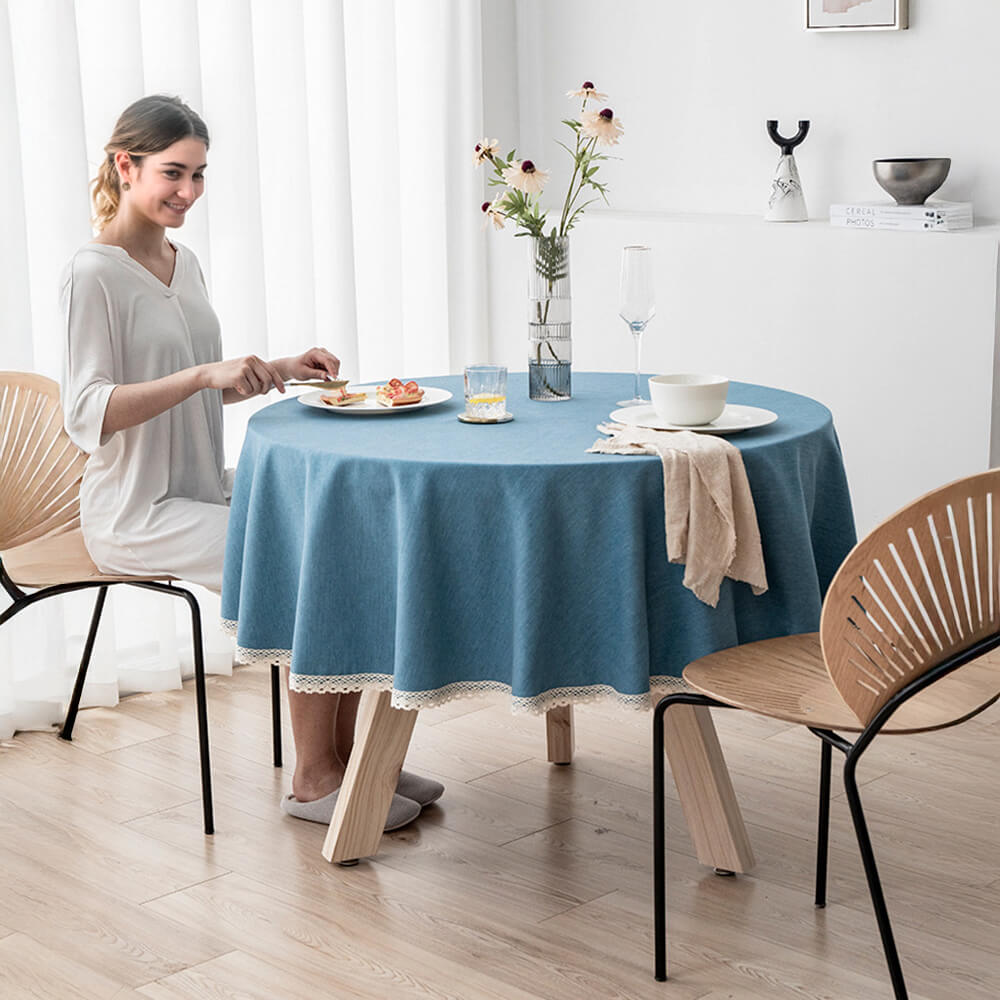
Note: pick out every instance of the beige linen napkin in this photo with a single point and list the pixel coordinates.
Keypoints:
(711, 522)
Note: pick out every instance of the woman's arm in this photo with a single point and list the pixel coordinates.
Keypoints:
(316, 363)
(131, 405)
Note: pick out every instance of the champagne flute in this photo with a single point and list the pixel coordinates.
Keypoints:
(636, 304)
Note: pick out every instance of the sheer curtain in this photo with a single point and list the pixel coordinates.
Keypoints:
(339, 210)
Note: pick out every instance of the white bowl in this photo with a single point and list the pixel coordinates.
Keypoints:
(687, 399)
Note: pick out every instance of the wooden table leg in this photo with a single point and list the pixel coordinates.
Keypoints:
(381, 739)
(705, 789)
(559, 734)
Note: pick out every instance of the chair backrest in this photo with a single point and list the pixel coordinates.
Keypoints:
(40, 467)
(921, 588)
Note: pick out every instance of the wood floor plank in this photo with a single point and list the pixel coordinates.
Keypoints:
(593, 855)
(236, 729)
(460, 706)
(405, 939)
(706, 958)
(239, 975)
(73, 777)
(765, 918)
(285, 854)
(108, 856)
(99, 730)
(486, 815)
(392, 957)
(458, 756)
(30, 971)
(94, 928)
(434, 854)
(946, 753)
(565, 792)
(236, 781)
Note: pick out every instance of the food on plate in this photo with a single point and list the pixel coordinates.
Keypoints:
(341, 397)
(398, 393)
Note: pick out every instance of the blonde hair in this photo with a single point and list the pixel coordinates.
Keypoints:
(149, 125)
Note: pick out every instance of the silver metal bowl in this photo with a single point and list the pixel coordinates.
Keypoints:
(912, 180)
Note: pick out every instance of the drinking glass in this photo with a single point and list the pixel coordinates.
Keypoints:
(485, 392)
(636, 304)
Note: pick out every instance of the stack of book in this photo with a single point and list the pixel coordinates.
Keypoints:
(932, 216)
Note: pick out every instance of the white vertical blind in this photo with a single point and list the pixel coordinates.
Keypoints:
(282, 128)
(18, 347)
(466, 278)
(50, 144)
(377, 162)
(330, 170)
(232, 201)
(425, 188)
(340, 209)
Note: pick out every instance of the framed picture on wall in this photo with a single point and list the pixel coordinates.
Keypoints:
(848, 15)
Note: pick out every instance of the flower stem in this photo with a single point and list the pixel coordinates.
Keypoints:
(570, 195)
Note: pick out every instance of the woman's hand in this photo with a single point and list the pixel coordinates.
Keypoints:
(248, 376)
(316, 363)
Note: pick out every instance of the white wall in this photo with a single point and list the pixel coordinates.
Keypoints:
(895, 332)
(695, 80)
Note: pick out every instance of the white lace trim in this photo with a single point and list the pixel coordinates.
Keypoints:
(417, 700)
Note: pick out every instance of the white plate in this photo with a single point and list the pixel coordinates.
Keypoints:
(432, 396)
(734, 418)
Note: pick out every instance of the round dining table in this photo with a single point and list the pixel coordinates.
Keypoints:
(418, 558)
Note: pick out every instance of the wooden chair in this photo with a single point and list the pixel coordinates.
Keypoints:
(41, 545)
(904, 635)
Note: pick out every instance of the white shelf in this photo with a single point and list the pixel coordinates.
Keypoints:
(987, 228)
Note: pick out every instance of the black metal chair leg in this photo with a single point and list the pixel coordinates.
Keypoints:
(276, 712)
(659, 821)
(874, 883)
(66, 732)
(823, 835)
(659, 845)
(201, 702)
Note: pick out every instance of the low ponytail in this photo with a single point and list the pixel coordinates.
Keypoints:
(149, 125)
(105, 192)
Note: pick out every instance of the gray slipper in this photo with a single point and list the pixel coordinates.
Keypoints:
(421, 790)
(401, 810)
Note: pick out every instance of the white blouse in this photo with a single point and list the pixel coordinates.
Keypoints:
(154, 497)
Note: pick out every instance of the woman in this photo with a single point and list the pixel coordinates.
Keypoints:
(143, 387)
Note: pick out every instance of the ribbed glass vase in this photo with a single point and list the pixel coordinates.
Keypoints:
(550, 346)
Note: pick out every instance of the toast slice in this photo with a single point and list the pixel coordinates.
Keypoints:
(341, 397)
(398, 393)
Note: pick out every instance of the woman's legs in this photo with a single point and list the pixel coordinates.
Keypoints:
(347, 716)
(323, 731)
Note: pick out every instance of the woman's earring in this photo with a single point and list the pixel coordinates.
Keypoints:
(126, 186)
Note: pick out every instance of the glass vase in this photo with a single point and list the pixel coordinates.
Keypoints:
(550, 347)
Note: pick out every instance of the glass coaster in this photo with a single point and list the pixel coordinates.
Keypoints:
(505, 419)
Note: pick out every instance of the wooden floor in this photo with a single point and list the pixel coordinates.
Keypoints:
(527, 880)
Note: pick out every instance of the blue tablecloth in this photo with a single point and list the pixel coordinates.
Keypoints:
(414, 552)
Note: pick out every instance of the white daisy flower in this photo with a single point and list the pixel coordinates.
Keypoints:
(491, 209)
(486, 149)
(587, 92)
(526, 177)
(602, 126)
